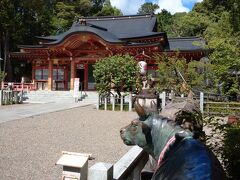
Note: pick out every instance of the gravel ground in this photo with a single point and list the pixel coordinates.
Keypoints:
(30, 147)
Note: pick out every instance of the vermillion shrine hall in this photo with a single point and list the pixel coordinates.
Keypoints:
(57, 60)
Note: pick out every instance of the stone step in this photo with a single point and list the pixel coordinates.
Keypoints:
(49, 96)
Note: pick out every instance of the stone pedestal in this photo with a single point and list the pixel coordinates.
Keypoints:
(75, 166)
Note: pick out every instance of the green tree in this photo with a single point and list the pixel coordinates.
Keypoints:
(64, 16)
(83, 7)
(148, 8)
(164, 19)
(109, 10)
(20, 22)
(117, 73)
(176, 74)
(223, 44)
(187, 24)
(2, 76)
(96, 6)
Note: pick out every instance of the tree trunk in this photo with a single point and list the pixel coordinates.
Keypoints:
(0, 51)
(7, 64)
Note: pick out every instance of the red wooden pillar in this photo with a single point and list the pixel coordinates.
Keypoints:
(50, 74)
(85, 76)
(73, 72)
(33, 74)
(65, 77)
(33, 71)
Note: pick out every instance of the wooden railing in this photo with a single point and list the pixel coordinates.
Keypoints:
(222, 108)
(8, 97)
(19, 86)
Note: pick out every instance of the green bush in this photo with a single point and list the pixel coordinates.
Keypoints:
(231, 151)
(117, 107)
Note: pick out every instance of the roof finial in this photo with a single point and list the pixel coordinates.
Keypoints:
(82, 21)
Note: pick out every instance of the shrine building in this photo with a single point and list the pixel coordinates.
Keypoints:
(57, 60)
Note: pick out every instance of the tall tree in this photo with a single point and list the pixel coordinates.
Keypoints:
(148, 8)
(96, 6)
(64, 16)
(165, 19)
(83, 7)
(20, 22)
(109, 10)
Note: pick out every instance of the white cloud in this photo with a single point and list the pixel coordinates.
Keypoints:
(128, 6)
(191, 1)
(172, 6)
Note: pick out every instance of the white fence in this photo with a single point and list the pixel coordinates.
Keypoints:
(115, 103)
(110, 102)
(10, 97)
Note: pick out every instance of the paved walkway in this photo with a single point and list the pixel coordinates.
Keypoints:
(31, 146)
(19, 111)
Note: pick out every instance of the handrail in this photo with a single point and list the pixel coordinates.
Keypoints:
(131, 164)
(19, 86)
(129, 167)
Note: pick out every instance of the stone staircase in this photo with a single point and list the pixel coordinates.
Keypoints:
(41, 96)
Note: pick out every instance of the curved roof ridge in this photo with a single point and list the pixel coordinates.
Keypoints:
(105, 35)
(119, 17)
(183, 38)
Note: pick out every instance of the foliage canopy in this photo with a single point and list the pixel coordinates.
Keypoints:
(117, 73)
(176, 74)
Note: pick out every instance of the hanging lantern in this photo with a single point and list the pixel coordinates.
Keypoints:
(143, 67)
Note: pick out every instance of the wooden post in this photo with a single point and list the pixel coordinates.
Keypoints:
(208, 108)
(113, 103)
(98, 101)
(33, 71)
(85, 81)
(50, 74)
(105, 103)
(101, 171)
(201, 101)
(163, 97)
(1, 97)
(65, 77)
(130, 102)
(72, 74)
(121, 105)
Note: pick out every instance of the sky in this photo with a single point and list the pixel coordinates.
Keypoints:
(129, 7)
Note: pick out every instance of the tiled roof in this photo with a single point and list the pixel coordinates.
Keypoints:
(127, 27)
(78, 28)
(113, 29)
(186, 44)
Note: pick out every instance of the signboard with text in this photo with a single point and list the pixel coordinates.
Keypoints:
(76, 87)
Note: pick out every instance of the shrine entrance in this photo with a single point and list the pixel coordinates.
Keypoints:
(80, 75)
